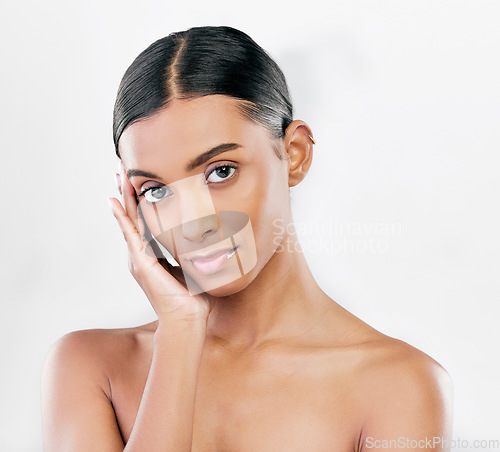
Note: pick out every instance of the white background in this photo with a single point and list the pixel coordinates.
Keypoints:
(403, 98)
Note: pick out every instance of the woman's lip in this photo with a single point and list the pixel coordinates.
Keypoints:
(211, 256)
(213, 262)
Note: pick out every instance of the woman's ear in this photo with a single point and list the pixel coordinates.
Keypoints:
(298, 142)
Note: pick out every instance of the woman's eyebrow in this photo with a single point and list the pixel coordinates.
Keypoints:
(201, 159)
(137, 172)
(197, 161)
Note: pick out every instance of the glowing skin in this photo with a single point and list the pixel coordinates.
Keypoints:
(257, 186)
(265, 361)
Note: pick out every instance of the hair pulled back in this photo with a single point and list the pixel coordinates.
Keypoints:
(198, 62)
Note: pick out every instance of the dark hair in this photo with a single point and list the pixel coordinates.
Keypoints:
(199, 62)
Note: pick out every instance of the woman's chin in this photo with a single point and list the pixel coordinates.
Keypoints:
(225, 289)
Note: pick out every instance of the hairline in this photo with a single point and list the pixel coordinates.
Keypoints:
(243, 106)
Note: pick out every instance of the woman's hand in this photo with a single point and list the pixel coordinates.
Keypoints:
(161, 282)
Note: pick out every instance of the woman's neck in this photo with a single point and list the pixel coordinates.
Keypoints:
(283, 301)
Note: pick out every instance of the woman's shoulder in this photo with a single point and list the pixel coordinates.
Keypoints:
(376, 353)
(77, 380)
(393, 358)
(379, 355)
(98, 352)
(105, 340)
(402, 391)
(385, 368)
(396, 377)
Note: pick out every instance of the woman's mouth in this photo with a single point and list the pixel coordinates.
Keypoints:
(212, 262)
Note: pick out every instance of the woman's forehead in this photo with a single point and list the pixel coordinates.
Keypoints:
(186, 128)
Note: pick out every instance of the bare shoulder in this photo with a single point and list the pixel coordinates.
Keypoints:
(395, 390)
(391, 363)
(380, 361)
(403, 392)
(77, 407)
(99, 351)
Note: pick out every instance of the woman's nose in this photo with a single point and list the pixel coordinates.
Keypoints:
(199, 229)
(197, 212)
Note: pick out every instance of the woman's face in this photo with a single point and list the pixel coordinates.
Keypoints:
(210, 188)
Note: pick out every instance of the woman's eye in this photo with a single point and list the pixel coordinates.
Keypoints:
(221, 173)
(155, 194)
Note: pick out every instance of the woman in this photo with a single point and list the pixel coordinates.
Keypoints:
(248, 353)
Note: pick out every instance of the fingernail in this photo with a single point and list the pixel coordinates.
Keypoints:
(118, 182)
(123, 176)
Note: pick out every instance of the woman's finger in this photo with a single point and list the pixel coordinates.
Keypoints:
(129, 200)
(176, 272)
(130, 233)
(143, 227)
(119, 180)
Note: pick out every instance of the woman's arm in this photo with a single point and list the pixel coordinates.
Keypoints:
(165, 418)
(77, 412)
